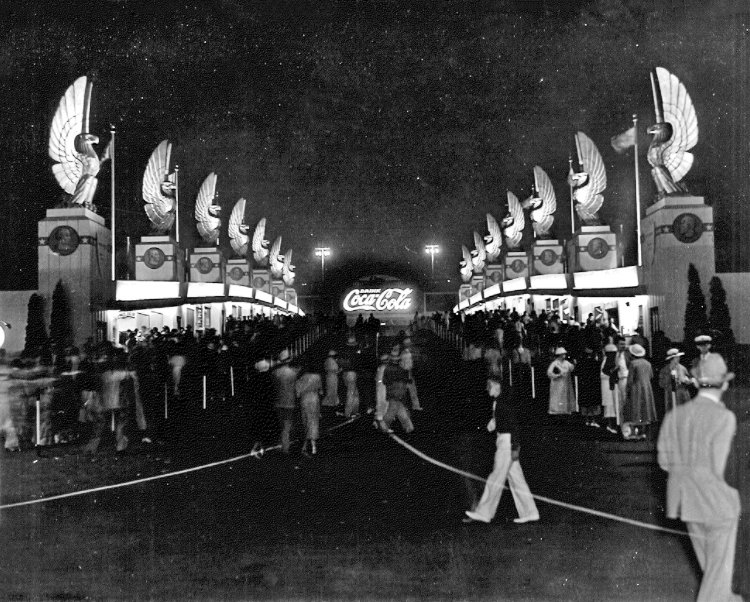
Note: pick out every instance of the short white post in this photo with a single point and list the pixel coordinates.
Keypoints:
(231, 378)
(113, 421)
(576, 379)
(204, 391)
(510, 373)
(533, 384)
(38, 420)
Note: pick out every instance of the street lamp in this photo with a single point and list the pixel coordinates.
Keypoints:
(432, 250)
(322, 252)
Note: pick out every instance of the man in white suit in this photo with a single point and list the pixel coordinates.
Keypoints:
(693, 446)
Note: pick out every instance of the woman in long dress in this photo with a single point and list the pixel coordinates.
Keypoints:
(309, 388)
(331, 367)
(562, 398)
(639, 409)
(608, 375)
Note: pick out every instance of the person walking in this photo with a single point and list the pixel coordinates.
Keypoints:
(693, 447)
(407, 363)
(285, 399)
(309, 388)
(608, 379)
(640, 409)
(396, 381)
(562, 398)
(506, 465)
(381, 402)
(589, 383)
(349, 364)
(674, 378)
(331, 368)
(622, 361)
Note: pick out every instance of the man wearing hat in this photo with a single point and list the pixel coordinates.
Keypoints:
(639, 409)
(285, 399)
(396, 380)
(703, 342)
(674, 379)
(349, 364)
(562, 397)
(693, 448)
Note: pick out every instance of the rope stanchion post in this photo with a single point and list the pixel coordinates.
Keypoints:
(38, 419)
(533, 383)
(204, 391)
(231, 378)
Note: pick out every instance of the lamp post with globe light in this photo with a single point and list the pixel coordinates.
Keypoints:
(322, 252)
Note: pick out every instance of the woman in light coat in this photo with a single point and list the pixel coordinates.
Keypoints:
(331, 367)
(562, 398)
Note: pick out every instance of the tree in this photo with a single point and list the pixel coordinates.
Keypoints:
(696, 321)
(719, 320)
(37, 342)
(60, 330)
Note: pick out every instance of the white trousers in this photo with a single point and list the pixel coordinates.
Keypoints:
(714, 546)
(505, 469)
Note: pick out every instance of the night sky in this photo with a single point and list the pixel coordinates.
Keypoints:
(373, 128)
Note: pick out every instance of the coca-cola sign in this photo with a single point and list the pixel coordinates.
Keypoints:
(379, 299)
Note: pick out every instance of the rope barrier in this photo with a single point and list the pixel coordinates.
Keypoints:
(540, 498)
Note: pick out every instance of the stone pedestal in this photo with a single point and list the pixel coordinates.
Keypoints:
(159, 258)
(277, 288)
(676, 231)
(493, 274)
(477, 283)
(593, 248)
(261, 280)
(464, 292)
(291, 296)
(75, 247)
(207, 264)
(548, 257)
(238, 271)
(516, 265)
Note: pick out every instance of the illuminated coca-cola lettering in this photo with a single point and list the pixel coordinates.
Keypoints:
(376, 299)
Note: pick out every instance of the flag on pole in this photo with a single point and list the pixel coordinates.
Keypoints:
(624, 141)
(107, 154)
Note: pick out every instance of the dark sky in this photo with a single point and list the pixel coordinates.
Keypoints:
(373, 128)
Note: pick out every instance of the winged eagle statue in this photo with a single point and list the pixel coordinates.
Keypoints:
(159, 189)
(542, 203)
(674, 133)
(513, 223)
(479, 254)
(275, 259)
(588, 184)
(494, 240)
(467, 264)
(206, 213)
(237, 229)
(260, 244)
(287, 269)
(72, 146)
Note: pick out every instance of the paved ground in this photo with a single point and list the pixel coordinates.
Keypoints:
(366, 520)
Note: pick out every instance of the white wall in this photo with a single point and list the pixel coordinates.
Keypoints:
(14, 309)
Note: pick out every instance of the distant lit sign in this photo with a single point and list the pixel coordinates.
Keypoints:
(379, 299)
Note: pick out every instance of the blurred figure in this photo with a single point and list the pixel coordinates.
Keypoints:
(589, 383)
(562, 398)
(7, 428)
(381, 403)
(285, 398)
(639, 410)
(331, 367)
(396, 381)
(349, 364)
(608, 379)
(674, 378)
(407, 363)
(309, 388)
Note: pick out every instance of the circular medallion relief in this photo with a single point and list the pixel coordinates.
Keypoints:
(63, 240)
(259, 282)
(598, 248)
(548, 257)
(236, 273)
(517, 266)
(687, 227)
(204, 265)
(496, 277)
(153, 258)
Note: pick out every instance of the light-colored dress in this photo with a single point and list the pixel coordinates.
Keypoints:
(331, 366)
(562, 397)
(608, 395)
(309, 388)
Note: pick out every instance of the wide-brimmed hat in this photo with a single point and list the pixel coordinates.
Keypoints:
(702, 339)
(713, 372)
(637, 350)
(560, 351)
(332, 353)
(352, 340)
(384, 357)
(283, 356)
(674, 352)
(610, 348)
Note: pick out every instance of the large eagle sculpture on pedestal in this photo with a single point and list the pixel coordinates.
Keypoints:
(542, 203)
(467, 265)
(237, 229)
(287, 269)
(479, 254)
(260, 244)
(588, 184)
(513, 223)
(72, 146)
(494, 240)
(674, 133)
(206, 213)
(159, 188)
(276, 259)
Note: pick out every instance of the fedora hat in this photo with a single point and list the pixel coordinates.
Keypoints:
(283, 356)
(713, 373)
(636, 350)
(610, 348)
(674, 352)
(560, 351)
(703, 339)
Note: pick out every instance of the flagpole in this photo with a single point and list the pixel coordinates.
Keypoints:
(637, 190)
(177, 203)
(570, 185)
(112, 195)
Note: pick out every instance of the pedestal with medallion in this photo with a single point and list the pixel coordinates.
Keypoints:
(238, 271)
(159, 258)
(277, 288)
(676, 231)
(548, 257)
(516, 265)
(493, 274)
(75, 247)
(261, 280)
(290, 295)
(207, 264)
(593, 248)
